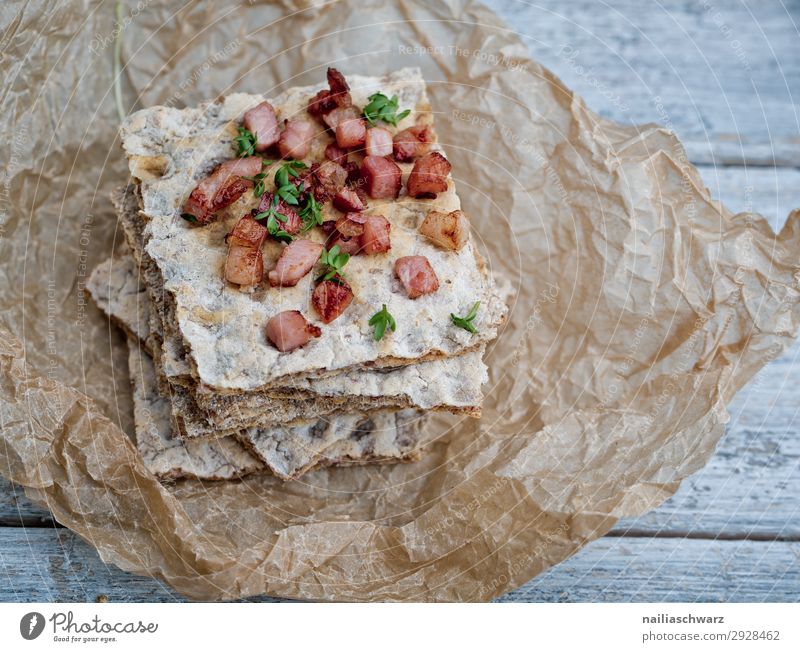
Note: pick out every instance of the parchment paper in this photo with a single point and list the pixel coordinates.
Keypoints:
(641, 307)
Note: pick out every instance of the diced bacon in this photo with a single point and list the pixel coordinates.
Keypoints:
(348, 201)
(351, 225)
(448, 230)
(247, 233)
(331, 298)
(321, 104)
(413, 142)
(244, 265)
(341, 114)
(293, 222)
(262, 121)
(328, 178)
(295, 262)
(351, 132)
(382, 177)
(354, 178)
(378, 142)
(328, 226)
(221, 188)
(376, 238)
(336, 154)
(429, 176)
(295, 141)
(347, 245)
(289, 330)
(416, 275)
(340, 91)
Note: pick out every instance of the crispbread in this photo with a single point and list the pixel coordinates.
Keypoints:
(169, 150)
(339, 440)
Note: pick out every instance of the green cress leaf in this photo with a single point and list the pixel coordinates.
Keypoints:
(382, 108)
(379, 321)
(245, 143)
(466, 321)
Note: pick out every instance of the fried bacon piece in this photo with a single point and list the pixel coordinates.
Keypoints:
(336, 154)
(289, 330)
(339, 115)
(327, 179)
(382, 177)
(244, 265)
(429, 176)
(351, 132)
(247, 233)
(351, 225)
(331, 298)
(416, 275)
(448, 230)
(413, 142)
(295, 262)
(221, 188)
(347, 245)
(378, 142)
(348, 200)
(337, 95)
(295, 141)
(293, 222)
(262, 121)
(376, 238)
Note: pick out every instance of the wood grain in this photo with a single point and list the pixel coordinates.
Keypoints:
(41, 565)
(723, 74)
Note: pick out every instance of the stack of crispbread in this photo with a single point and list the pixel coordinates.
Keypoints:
(213, 398)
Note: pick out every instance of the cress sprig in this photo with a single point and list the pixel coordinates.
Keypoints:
(383, 108)
(333, 263)
(245, 143)
(311, 213)
(380, 321)
(466, 321)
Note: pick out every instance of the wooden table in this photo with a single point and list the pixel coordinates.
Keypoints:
(723, 75)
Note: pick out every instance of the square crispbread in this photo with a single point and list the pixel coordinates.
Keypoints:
(452, 384)
(170, 150)
(116, 286)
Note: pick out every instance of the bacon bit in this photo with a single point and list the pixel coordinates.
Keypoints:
(448, 230)
(378, 142)
(295, 262)
(354, 178)
(321, 104)
(293, 222)
(328, 178)
(247, 233)
(328, 226)
(351, 132)
(416, 275)
(413, 142)
(331, 298)
(429, 176)
(376, 238)
(221, 188)
(339, 115)
(262, 121)
(244, 265)
(336, 154)
(289, 330)
(351, 225)
(295, 141)
(347, 245)
(340, 91)
(382, 177)
(348, 201)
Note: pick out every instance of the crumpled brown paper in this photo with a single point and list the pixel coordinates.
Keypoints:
(641, 307)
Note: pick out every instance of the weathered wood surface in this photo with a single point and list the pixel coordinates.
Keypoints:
(724, 75)
(45, 564)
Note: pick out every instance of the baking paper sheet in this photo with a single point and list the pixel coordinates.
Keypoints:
(641, 306)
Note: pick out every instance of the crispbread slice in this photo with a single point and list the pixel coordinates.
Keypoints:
(169, 150)
(382, 437)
